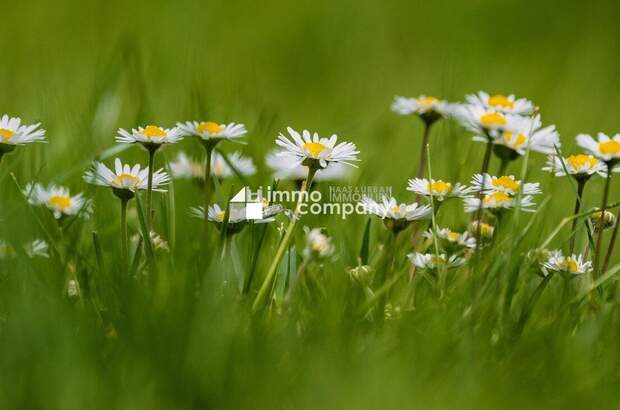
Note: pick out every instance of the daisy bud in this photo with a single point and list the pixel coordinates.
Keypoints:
(602, 221)
(361, 274)
(73, 289)
(486, 230)
(318, 245)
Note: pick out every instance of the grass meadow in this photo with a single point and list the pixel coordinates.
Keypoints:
(171, 330)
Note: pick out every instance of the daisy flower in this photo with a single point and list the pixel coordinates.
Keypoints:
(151, 136)
(213, 132)
(285, 167)
(605, 148)
(481, 120)
(14, 133)
(438, 189)
(314, 151)
(318, 245)
(573, 265)
(432, 261)
(579, 166)
(498, 201)
(507, 104)
(507, 183)
(237, 213)
(37, 248)
(58, 200)
(395, 216)
(486, 230)
(184, 167)
(522, 133)
(428, 108)
(125, 180)
(453, 238)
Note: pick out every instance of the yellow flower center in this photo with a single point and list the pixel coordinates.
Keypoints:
(439, 187)
(499, 198)
(127, 180)
(59, 201)
(453, 236)
(153, 131)
(507, 183)
(314, 148)
(501, 101)
(486, 229)
(210, 127)
(493, 119)
(516, 142)
(571, 265)
(220, 216)
(6, 135)
(396, 209)
(609, 147)
(427, 101)
(581, 160)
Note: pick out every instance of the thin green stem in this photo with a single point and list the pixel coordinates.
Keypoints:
(422, 163)
(599, 238)
(502, 166)
(612, 241)
(207, 187)
(124, 237)
(288, 234)
(581, 183)
(483, 170)
(149, 190)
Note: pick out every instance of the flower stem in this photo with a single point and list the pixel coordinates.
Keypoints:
(149, 190)
(124, 238)
(207, 187)
(581, 183)
(599, 238)
(502, 166)
(612, 241)
(483, 170)
(288, 234)
(422, 163)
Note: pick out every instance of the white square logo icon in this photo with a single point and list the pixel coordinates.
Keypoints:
(254, 211)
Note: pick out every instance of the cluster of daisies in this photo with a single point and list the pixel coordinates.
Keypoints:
(512, 127)
(509, 127)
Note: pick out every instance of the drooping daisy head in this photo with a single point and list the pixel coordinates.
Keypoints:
(58, 200)
(125, 180)
(579, 166)
(395, 216)
(523, 133)
(431, 261)
(318, 245)
(605, 148)
(428, 108)
(150, 136)
(573, 265)
(498, 201)
(506, 183)
(438, 189)
(311, 150)
(13, 133)
(288, 168)
(451, 239)
(212, 132)
(507, 104)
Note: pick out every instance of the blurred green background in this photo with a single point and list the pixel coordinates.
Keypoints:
(86, 68)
